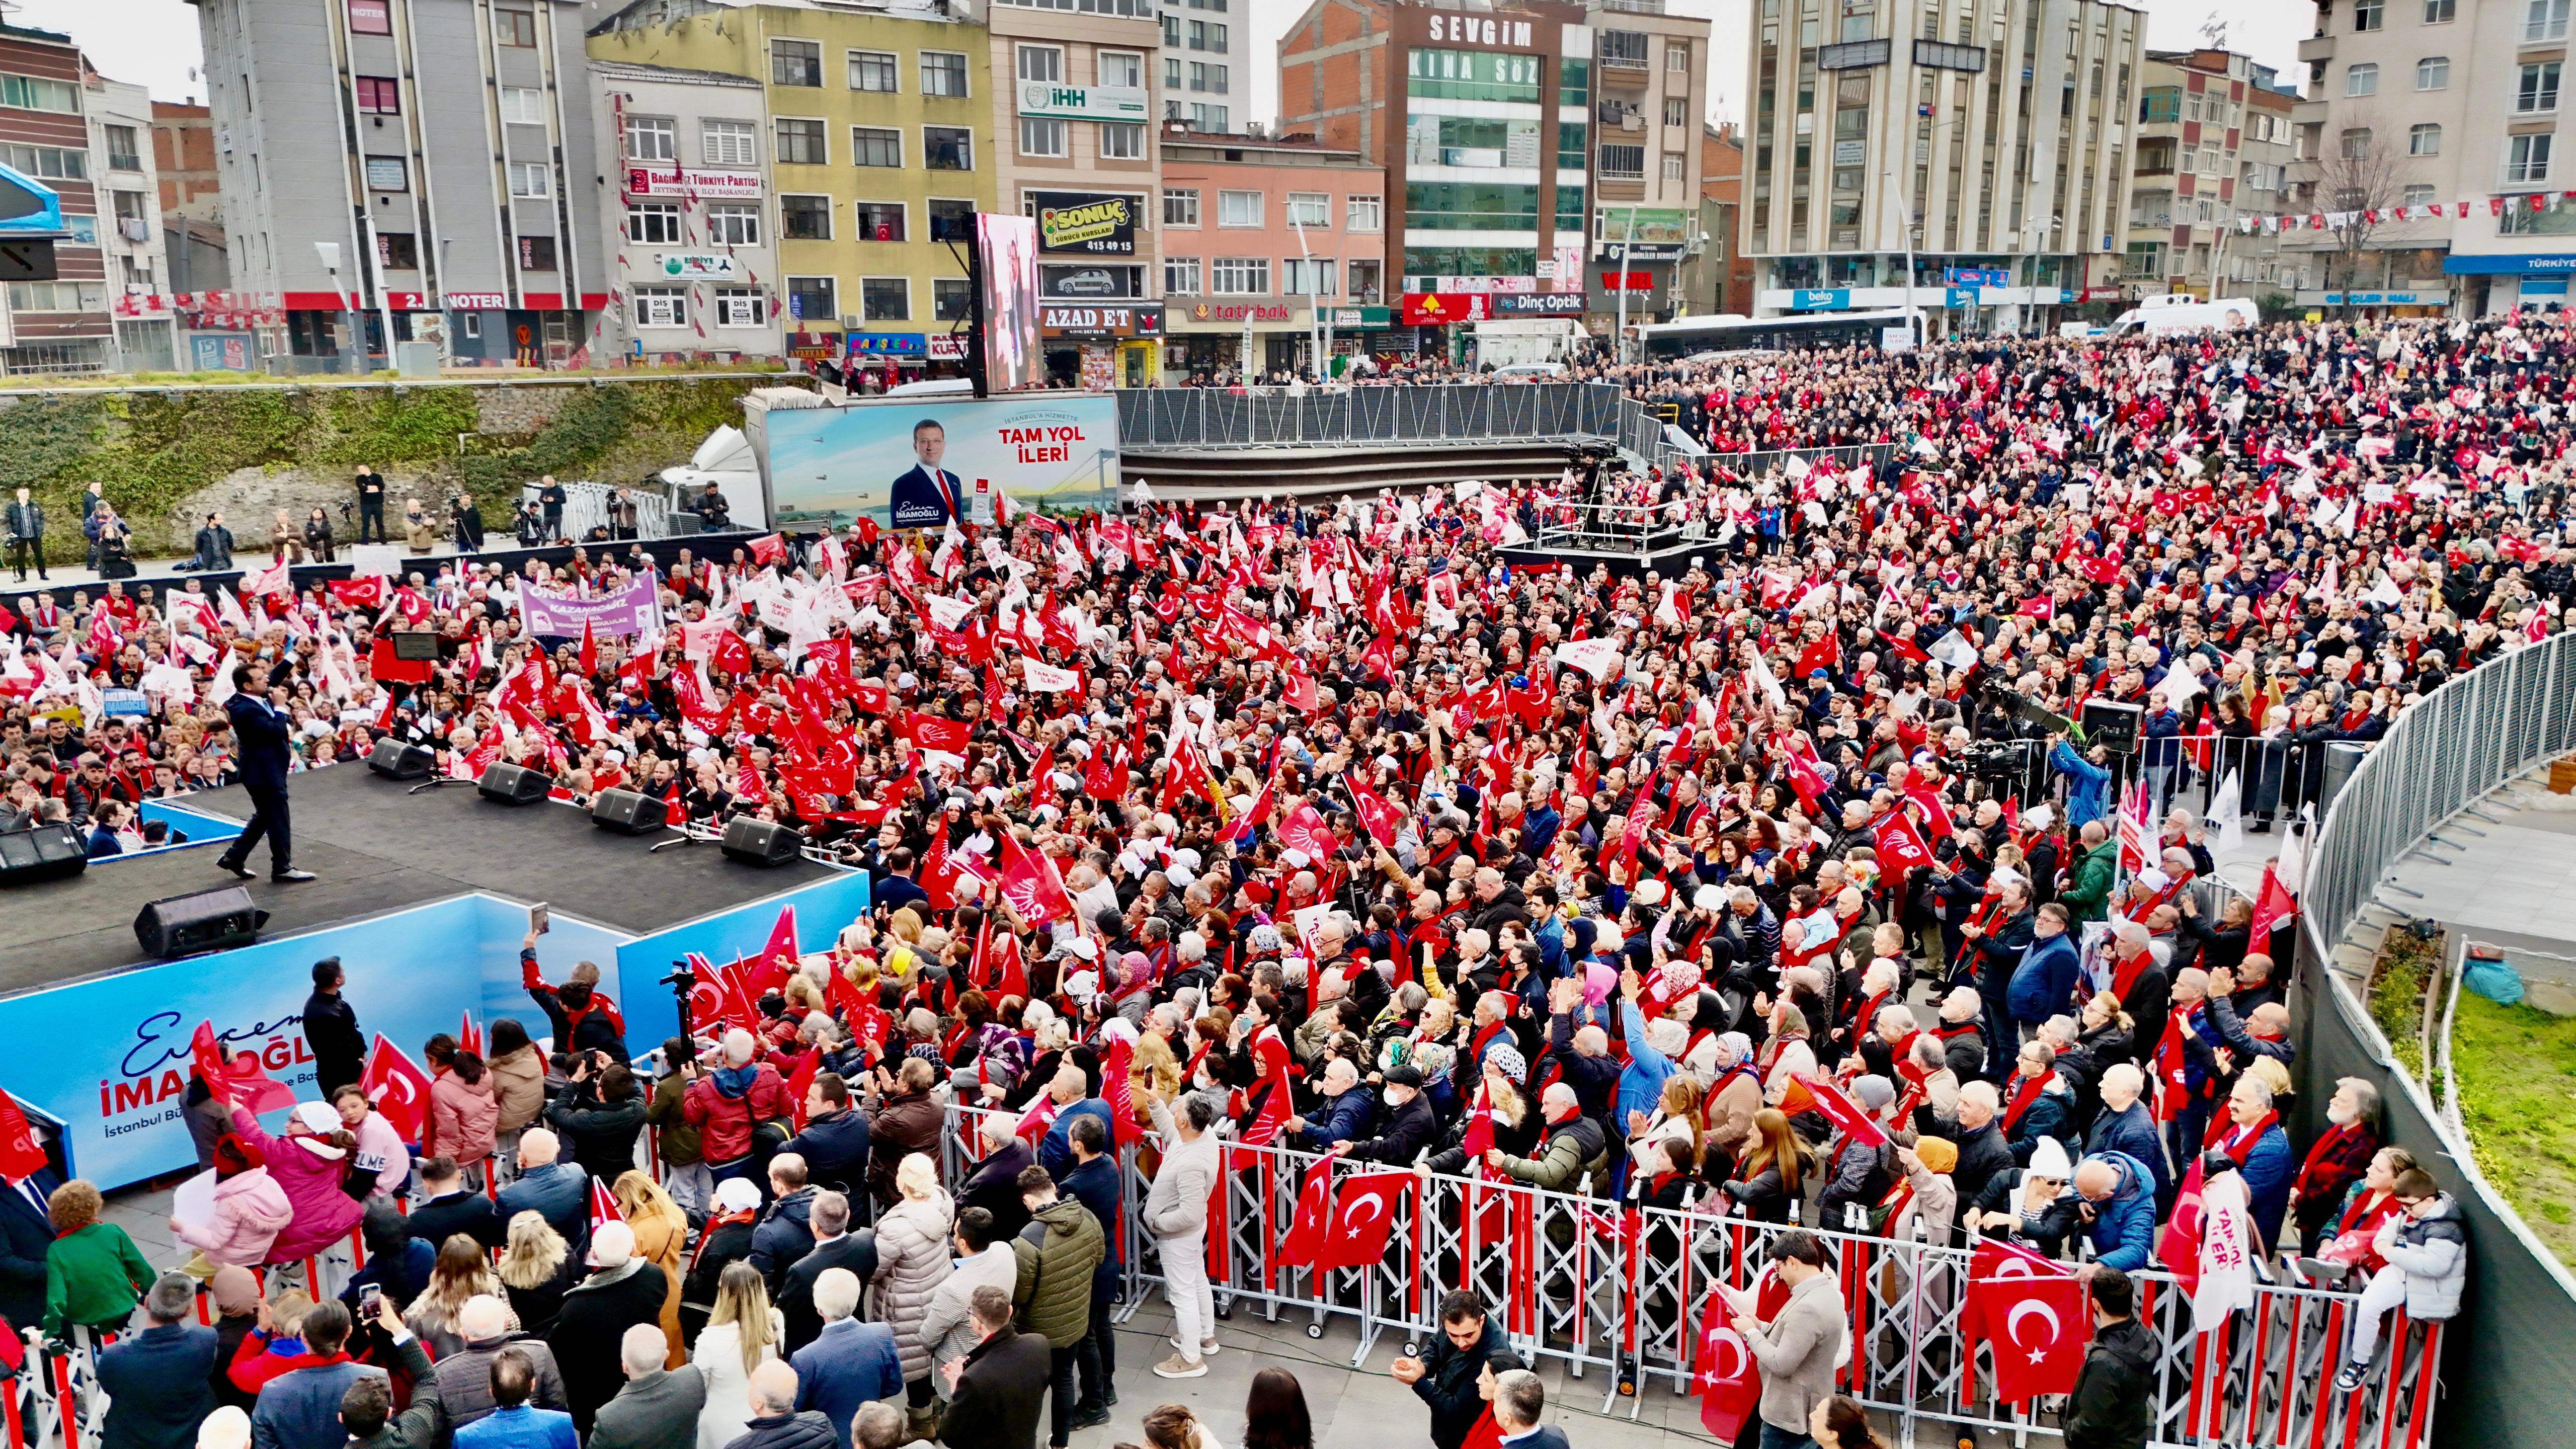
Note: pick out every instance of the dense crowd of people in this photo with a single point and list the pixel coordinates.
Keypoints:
(1323, 826)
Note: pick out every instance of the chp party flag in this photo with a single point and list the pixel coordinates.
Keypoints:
(1363, 1218)
(603, 1206)
(1806, 1093)
(398, 1088)
(21, 1156)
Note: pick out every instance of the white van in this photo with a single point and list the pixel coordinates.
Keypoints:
(2182, 312)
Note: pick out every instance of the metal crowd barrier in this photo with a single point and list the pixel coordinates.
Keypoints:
(1593, 1285)
(1648, 528)
(1152, 419)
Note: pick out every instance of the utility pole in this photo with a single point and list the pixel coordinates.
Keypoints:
(1619, 339)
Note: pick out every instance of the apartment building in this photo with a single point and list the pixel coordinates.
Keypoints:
(695, 267)
(123, 168)
(409, 170)
(2213, 146)
(62, 325)
(1207, 45)
(183, 154)
(1650, 98)
(1990, 137)
(1718, 278)
(2417, 102)
(1268, 244)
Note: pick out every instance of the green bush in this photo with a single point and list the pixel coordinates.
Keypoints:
(2406, 963)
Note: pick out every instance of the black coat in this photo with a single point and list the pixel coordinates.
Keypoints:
(601, 1135)
(25, 1236)
(807, 1430)
(855, 1251)
(339, 1048)
(835, 1149)
(999, 1392)
(994, 1186)
(259, 743)
(1448, 1382)
(589, 1330)
(2109, 1407)
(1409, 1129)
(467, 1212)
(156, 1381)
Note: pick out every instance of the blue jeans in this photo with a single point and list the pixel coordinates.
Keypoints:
(1775, 1437)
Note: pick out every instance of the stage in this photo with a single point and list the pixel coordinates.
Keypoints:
(377, 849)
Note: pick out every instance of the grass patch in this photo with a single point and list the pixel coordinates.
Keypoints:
(2406, 962)
(2517, 1072)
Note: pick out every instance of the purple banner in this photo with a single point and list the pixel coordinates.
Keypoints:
(635, 609)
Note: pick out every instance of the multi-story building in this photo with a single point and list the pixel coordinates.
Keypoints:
(1991, 136)
(1074, 97)
(695, 265)
(62, 325)
(1259, 237)
(2417, 103)
(877, 143)
(122, 168)
(1481, 119)
(2212, 147)
(183, 154)
(1717, 278)
(1650, 98)
(1207, 47)
(401, 170)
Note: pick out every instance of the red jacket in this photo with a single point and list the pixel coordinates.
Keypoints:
(260, 1359)
(724, 1120)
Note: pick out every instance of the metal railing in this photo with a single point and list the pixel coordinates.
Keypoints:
(1642, 529)
(1151, 419)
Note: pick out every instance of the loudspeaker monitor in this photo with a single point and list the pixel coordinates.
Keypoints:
(758, 842)
(43, 852)
(628, 812)
(2112, 725)
(396, 760)
(512, 784)
(203, 921)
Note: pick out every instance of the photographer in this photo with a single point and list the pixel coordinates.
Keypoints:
(598, 1111)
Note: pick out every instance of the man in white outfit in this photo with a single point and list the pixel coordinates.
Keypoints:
(1176, 1214)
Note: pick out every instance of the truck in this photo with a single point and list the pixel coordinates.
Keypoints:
(1504, 341)
(2182, 312)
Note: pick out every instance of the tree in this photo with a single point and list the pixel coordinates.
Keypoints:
(2360, 180)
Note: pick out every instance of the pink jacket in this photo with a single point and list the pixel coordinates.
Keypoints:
(462, 1119)
(323, 1213)
(250, 1208)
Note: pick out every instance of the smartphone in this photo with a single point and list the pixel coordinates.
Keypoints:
(369, 1296)
(540, 919)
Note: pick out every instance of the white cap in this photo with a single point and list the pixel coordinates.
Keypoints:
(1079, 984)
(2048, 1159)
(1295, 859)
(1084, 947)
(737, 1195)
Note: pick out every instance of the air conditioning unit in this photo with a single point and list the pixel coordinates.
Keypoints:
(852, 322)
(1633, 121)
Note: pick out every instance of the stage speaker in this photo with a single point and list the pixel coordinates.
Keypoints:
(512, 784)
(2112, 725)
(628, 812)
(43, 852)
(757, 842)
(206, 921)
(396, 760)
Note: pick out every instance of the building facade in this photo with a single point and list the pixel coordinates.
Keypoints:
(2213, 146)
(1718, 279)
(183, 153)
(1267, 243)
(1993, 138)
(876, 141)
(62, 325)
(410, 170)
(124, 170)
(1650, 98)
(694, 264)
(1206, 57)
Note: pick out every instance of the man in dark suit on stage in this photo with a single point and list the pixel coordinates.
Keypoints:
(259, 740)
(927, 495)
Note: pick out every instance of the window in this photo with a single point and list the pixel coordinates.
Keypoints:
(523, 106)
(943, 73)
(50, 162)
(1180, 206)
(949, 299)
(397, 251)
(32, 93)
(947, 148)
(1121, 68)
(872, 70)
(1367, 274)
(2418, 195)
(1623, 163)
(1216, 80)
(1207, 118)
(2544, 20)
(800, 143)
(2356, 143)
(1316, 277)
(2433, 73)
(536, 254)
(951, 220)
(876, 146)
(885, 299)
(392, 173)
(370, 17)
(733, 223)
(1676, 110)
(805, 218)
(1121, 141)
(514, 27)
(2526, 158)
(2424, 139)
(652, 138)
(2369, 15)
(660, 306)
(1624, 48)
(57, 297)
(1677, 57)
(1171, 28)
(2538, 89)
(1215, 38)
(653, 223)
(2361, 80)
(1310, 208)
(1180, 276)
(1172, 75)
(879, 220)
(741, 307)
(1041, 63)
(1242, 277)
(1041, 136)
(2440, 12)
(1238, 208)
(1360, 213)
(814, 299)
(1672, 166)
(729, 143)
(795, 63)
(377, 95)
(531, 179)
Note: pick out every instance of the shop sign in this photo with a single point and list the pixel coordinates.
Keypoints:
(698, 264)
(477, 301)
(700, 183)
(888, 344)
(1240, 312)
(1363, 316)
(1431, 309)
(1067, 320)
(1541, 304)
(1083, 103)
(1095, 225)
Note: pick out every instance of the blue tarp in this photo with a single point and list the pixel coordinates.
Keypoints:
(29, 209)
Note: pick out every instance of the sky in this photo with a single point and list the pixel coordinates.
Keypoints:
(154, 42)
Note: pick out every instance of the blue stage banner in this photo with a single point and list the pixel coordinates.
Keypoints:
(652, 1014)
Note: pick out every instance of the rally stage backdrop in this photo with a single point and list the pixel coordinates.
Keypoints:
(833, 466)
(109, 1055)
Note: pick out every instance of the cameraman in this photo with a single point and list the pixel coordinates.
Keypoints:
(598, 1112)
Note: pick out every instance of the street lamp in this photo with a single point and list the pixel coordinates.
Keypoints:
(329, 252)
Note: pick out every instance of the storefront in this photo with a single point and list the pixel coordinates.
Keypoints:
(1096, 346)
(1211, 337)
(2486, 284)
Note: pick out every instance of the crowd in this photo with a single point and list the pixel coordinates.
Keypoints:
(1323, 826)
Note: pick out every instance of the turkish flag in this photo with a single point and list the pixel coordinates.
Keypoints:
(1726, 1375)
(603, 1206)
(20, 1156)
(2273, 908)
(2178, 1241)
(935, 732)
(1302, 694)
(398, 1087)
(1306, 1229)
(1363, 1217)
(717, 998)
(1805, 778)
(768, 549)
(2039, 606)
(1383, 818)
(1304, 829)
(2037, 1325)
(1814, 1093)
(237, 1077)
(868, 696)
(366, 593)
(1035, 1121)
(729, 653)
(206, 1059)
(1936, 811)
(769, 970)
(1900, 846)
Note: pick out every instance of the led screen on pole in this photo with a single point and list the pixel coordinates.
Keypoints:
(1008, 249)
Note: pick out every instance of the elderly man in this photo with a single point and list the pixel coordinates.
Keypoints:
(1926, 1068)
(1069, 1089)
(556, 1191)
(2115, 1208)
(1998, 951)
(156, 1379)
(462, 1380)
(2253, 1139)
(1343, 1115)
(1978, 1133)
(1962, 1038)
(1572, 1157)
(1582, 1054)
(1409, 1125)
(2179, 1063)
(835, 1246)
(2336, 1160)
(776, 1421)
(2125, 1125)
(2142, 981)
(657, 1407)
(786, 1231)
(994, 1185)
(621, 1292)
(2043, 982)
(2088, 892)
(847, 1363)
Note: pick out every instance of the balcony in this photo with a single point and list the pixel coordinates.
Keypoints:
(2317, 47)
(2160, 219)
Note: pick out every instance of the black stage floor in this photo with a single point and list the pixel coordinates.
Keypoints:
(375, 850)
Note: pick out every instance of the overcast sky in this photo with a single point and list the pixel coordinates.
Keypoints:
(154, 42)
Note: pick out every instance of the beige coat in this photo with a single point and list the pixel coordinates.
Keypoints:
(1730, 1121)
(519, 1084)
(1796, 1350)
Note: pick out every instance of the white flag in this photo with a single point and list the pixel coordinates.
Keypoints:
(1047, 679)
(1599, 658)
(2225, 820)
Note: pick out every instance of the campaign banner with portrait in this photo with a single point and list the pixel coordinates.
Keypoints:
(915, 463)
(632, 610)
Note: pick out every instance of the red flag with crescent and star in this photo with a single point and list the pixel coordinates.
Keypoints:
(1724, 1372)
(1363, 1218)
(2036, 1324)
(1306, 1229)
(398, 1087)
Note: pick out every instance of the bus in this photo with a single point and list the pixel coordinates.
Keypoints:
(1694, 335)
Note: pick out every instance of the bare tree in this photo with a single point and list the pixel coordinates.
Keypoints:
(2362, 177)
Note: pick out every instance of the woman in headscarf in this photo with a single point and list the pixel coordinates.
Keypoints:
(236, 1295)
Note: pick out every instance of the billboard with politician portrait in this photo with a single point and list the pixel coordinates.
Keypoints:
(1007, 248)
(916, 464)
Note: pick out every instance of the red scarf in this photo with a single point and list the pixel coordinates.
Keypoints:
(2162, 897)
(2026, 1094)
(1860, 1025)
(2238, 1142)
(2126, 974)
(2171, 1082)
(2325, 1145)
